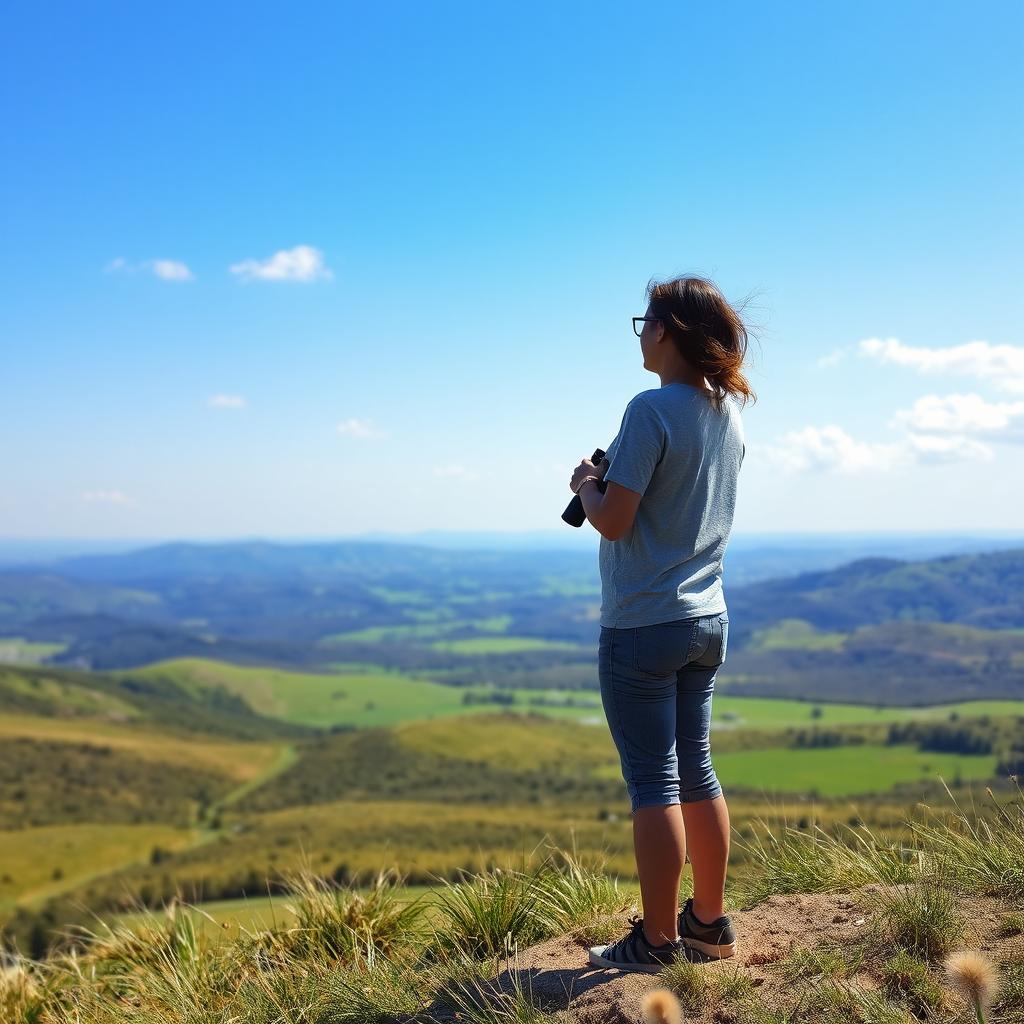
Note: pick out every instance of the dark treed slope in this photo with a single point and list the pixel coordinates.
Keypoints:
(981, 590)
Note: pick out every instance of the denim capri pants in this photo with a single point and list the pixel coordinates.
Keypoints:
(656, 687)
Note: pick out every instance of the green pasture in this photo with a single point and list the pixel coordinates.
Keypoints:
(430, 624)
(348, 695)
(16, 650)
(841, 771)
(796, 634)
(770, 712)
(503, 645)
(367, 695)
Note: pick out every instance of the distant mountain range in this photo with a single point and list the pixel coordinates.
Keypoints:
(309, 605)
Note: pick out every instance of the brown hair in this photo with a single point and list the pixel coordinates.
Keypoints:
(708, 332)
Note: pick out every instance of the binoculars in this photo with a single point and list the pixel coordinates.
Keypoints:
(574, 514)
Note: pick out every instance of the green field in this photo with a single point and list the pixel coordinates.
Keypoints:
(842, 771)
(16, 650)
(431, 623)
(796, 634)
(502, 645)
(771, 713)
(363, 695)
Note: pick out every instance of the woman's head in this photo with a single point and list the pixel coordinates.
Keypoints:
(706, 331)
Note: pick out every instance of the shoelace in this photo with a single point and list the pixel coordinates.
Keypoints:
(636, 932)
(636, 929)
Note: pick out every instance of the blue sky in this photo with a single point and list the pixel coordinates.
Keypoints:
(277, 272)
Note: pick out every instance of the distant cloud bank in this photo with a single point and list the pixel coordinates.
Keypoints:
(832, 449)
(938, 428)
(1001, 365)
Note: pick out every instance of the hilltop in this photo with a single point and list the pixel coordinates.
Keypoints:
(833, 926)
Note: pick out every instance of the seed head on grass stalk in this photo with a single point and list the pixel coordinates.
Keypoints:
(974, 978)
(660, 1006)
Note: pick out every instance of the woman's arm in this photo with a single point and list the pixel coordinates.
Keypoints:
(611, 513)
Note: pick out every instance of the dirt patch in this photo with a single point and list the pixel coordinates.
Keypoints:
(558, 975)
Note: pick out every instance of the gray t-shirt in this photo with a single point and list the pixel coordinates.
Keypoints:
(684, 457)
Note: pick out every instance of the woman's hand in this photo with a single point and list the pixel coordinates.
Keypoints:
(587, 468)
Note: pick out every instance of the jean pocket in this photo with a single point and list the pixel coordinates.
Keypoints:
(661, 649)
(709, 641)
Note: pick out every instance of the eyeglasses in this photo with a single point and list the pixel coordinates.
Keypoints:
(637, 331)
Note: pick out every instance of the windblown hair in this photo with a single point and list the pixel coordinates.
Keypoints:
(708, 332)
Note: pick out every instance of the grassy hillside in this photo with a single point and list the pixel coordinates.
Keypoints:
(154, 699)
(44, 782)
(350, 695)
(238, 760)
(41, 863)
(341, 697)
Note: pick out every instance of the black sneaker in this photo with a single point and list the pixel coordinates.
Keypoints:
(634, 953)
(716, 940)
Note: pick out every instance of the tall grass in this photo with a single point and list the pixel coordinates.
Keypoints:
(793, 861)
(494, 911)
(968, 852)
(980, 855)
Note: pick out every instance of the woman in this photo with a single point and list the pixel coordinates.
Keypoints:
(664, 521)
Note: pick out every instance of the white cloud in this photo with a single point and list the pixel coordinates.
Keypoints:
(166, 270)
(936, 429)
(226, 401)
(170, 270)
(928, 448)
(1002, 365)
(303, 263)
(963, 414)
(832, 449)
(827, 448)
(359, 428)
(109, 497)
